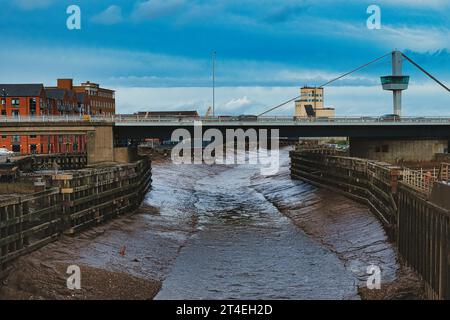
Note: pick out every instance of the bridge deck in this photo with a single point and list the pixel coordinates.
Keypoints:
(134, 120)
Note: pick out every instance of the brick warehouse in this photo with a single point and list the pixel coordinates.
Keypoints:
(64, 99)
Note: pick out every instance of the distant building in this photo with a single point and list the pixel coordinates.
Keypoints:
(99, 101)
(63, 101)
(311, 104)
(149, 114)
(88, 97)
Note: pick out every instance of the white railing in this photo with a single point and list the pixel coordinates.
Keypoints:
(421, 180)
(281, 120)
(125, 119)
(55, 118)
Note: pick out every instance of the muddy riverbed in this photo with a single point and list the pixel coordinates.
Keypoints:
(223, 232)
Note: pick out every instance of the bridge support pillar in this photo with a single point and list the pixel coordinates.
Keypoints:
(398, 150)
(100, 145)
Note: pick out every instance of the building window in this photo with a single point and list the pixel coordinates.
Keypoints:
(33, 136)
(33, 148)
(16, 148)
(3, 112)
(15, 113)
(15, 102)
(33, 106)
(3, 101)
(15, 139)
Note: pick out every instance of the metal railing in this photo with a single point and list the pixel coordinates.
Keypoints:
(131, 119)
(423, 180)
(55, 119)
(444, 172)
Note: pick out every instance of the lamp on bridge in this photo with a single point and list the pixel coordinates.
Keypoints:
(396, 82)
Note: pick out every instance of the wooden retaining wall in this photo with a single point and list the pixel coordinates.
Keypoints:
(73, 201)
(366, 181)
(423, 240)
(70, 161)
(419, 227)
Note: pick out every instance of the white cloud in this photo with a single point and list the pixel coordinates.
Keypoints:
(238, 103)
(112, 15)
(421, 39)
(32, 4)
(417, 38)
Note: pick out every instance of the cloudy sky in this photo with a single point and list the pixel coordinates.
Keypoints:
(157, 53)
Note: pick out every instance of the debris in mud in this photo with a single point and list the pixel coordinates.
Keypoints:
(122, 251)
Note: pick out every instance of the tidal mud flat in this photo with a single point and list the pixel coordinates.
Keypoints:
(222, 232)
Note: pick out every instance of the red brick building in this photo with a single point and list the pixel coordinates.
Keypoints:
(36, 100)
(22, 100)
(99, 101)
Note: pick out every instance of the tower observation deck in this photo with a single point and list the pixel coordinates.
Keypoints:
(396, 82)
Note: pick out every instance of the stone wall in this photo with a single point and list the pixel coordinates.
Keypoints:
(395, 151)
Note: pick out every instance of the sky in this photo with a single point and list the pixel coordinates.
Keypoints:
(157, 53)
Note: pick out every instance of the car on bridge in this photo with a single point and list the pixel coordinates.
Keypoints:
(245, 117)
(390, 118)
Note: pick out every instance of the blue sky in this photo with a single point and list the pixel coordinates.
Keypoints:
(156, 53)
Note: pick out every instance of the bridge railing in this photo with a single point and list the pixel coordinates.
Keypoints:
(282, 119)
(56, 119)
(124, 119)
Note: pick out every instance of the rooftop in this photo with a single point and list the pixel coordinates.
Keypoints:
(21, 90)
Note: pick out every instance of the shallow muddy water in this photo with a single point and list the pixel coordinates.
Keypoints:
(221, 232)
(254, 237)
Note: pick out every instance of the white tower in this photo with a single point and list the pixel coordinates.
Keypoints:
(397, 82)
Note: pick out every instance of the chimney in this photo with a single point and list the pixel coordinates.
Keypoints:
(65, 84)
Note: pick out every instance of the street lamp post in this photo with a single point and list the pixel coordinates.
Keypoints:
(214, 82)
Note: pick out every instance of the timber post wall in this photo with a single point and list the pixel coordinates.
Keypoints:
(419, 227)
(73, 201)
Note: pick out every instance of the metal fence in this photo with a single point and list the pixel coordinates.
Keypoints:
(129, 119)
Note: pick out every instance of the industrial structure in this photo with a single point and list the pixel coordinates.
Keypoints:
(311, 104)
(396, 82)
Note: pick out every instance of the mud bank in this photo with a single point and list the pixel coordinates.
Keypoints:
(104, 275)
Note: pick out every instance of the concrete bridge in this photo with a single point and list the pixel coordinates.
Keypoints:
(134, 127)
(409, 138)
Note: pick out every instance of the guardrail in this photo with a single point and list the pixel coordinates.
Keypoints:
(423, 180)
(55, 119)
(282, 119)
(130, 119)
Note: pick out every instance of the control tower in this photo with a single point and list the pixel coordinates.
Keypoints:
(397, 82)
